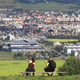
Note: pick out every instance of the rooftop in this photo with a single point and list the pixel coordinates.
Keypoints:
(23, 42)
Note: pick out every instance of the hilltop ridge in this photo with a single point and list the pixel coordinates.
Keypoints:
(41, 4)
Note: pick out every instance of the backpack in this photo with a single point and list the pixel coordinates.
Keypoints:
(53, 64)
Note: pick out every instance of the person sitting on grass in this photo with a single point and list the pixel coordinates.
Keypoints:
(31, 66)
(50, 66)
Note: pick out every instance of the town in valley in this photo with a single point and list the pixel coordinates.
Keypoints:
(30, 31)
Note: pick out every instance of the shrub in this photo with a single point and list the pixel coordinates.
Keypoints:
(72, 66)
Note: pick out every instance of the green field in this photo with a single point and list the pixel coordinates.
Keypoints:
(63, 40)
(5, 55)
(47, 6)
(13, 67)
(10, 68)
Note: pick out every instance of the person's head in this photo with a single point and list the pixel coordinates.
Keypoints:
(50, 58)
(33, 60)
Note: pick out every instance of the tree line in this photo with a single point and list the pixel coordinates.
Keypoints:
(46, 54)
(44, 1)
(63, 37)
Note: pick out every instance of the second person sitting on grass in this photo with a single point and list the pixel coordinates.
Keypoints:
(31, 66)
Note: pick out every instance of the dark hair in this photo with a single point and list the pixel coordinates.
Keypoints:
(33, 60)
(50, 57)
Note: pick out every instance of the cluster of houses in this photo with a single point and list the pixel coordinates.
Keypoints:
(37, 17)
(34, 25)
(35, 30)
(41, 22)
(73, 49)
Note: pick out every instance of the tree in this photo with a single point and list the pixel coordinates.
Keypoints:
(72, 66)
(18, 56)
(58, 48)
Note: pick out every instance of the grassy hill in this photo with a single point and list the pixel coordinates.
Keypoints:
(39, 6)
(12, 67)
(4, 55)
(47, 6)
(7, 3)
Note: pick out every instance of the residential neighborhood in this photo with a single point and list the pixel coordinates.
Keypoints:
(21, 31)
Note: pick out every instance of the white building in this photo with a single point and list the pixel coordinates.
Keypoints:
(55, 43)
(7, 19)
(74, 53)
(3, 37)
(19, 26)
(70, 47)
(10, 37)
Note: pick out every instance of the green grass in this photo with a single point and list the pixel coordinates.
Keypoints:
(63, 40)
(5, 55)
(13, 67)
(44, 6)
(69, 55)
(74, 77)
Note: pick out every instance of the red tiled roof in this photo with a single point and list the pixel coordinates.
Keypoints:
(38, 53)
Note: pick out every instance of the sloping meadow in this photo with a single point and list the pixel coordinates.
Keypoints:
(13, 67)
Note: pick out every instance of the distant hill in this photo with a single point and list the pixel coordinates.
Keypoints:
(67, 1)
(7, 3)
(40, 1)
(44, 1)
(41, 4)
